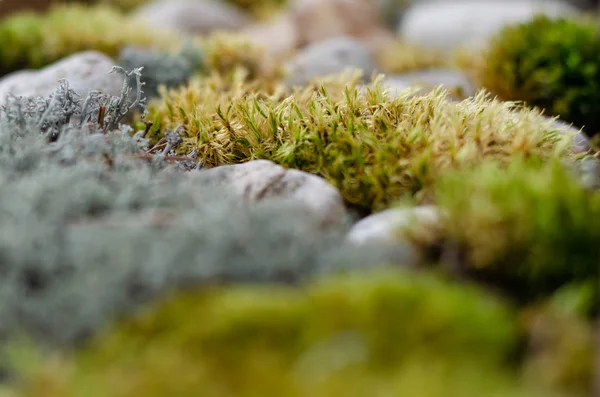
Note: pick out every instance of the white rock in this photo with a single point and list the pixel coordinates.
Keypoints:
(329, 57)
(447, 25)
(262, 179)
(389, 226)
(192, 16)
(84, 71)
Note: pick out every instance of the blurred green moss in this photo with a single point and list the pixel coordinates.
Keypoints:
(529, 226)
(552, 64)
(31, 41)
(389, 334)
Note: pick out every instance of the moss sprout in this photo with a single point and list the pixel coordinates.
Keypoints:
(374, 148)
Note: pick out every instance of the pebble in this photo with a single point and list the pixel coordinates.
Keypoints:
(85, 71)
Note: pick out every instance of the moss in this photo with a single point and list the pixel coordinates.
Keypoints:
(552, 64)
(561, 345)
(529, 227)
(32, 40)
(261, 9)
(374, 148)
(353, 335)
(401, 57)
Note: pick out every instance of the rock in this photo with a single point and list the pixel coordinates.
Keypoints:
(581, 143)
(192, 16)
(329, 57)
(262, 179)
(319, 20)
(452, 80)
(589, 169)
(84, 71)
(448, 25)
(390, 226)
(278, 37)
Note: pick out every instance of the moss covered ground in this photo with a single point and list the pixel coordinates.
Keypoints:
(123, 283)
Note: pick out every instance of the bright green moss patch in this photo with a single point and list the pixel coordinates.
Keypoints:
(552, 64)
(374, 148)
(527, 226)
(388, 334)
(30, 40)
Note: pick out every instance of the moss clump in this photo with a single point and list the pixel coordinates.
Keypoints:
(393, 333)
(401, 57)
(529, 227)
(374, 148)
(552, 64)
(32, 40)
(262, 9)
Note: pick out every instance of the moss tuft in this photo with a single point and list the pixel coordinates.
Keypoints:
(374, 148)
(528, 226)
(401, 57)
(349, 336)
(31, 41)
(552, 64)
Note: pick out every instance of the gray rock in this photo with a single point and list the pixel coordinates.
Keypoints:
(84, 71)
(589, 169)
(389, 226)
(448, 25)
(192, 16)
(430, 79)
(262, 179)
(580, 143)
(329, 57)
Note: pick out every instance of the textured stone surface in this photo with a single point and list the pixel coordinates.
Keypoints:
(387, 227)
(329, 57)
(450, 24)
(262, 179)
(84, 71)
(192, 16)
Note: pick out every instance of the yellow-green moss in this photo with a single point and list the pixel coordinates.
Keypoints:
(401, 57)
(261, 9)
(387, 334)
(374, 148)
(30, 40)
(530, 227)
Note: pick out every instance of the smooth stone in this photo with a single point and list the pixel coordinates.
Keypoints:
(319, 20)
(327, 58)
(389, 226)
(471, 23)
(84, 71)
(263, 179)
(192, 16)
(430, 79)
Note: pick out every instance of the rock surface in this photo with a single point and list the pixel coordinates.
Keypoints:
(389, 226)
(329, 57)
(448, 25)
(452, 80)
(262, 179)
(318, 20)
(84, 71)
(192, 16)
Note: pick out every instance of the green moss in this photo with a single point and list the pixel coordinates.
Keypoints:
(374, 148)
(32, 40)
(401, 57)
(552, 64)
(530, 227)
(262, 9)
(394, 334)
